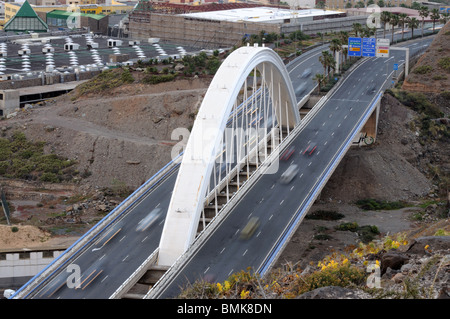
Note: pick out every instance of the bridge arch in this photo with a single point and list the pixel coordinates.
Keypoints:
(206, 138)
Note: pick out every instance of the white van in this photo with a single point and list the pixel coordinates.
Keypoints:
(289, 174)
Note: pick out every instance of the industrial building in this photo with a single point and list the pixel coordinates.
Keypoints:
(213, 26)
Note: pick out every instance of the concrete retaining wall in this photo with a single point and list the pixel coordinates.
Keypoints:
(17, 267)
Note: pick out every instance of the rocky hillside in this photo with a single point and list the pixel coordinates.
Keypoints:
(431, 74)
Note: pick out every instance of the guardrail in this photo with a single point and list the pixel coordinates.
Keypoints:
(4, 205)
(138, 273)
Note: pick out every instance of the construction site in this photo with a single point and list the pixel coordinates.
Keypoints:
(212, 26)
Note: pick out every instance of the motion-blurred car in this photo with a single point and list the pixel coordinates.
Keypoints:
(306, 73)
(148, 220)
(289, 174)
(288, 153)
(310, 149)
(250, 228)
(300, 89)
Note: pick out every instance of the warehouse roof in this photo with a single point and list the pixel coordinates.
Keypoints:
(259, 14)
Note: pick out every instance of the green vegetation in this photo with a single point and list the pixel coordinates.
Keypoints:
(108, 79)
(423, 69)
(200, 64)
(444, 63)
(350, 226)
(155, 79)
(20, 158)
(375, 204)
(324, 215)
(367, 233)
(417, 102)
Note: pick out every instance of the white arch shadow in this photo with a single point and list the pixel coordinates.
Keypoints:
(195, 170)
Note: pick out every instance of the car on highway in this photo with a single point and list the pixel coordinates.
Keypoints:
(250, 228)
(306, 73)
(310, 149)
(148, 220)
(288, 153)
(289, 174)
(300, 89)
(371, 90)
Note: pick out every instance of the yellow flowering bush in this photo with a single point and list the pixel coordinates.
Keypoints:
(349, 269)
(331, 273)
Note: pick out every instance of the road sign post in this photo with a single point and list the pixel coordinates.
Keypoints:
(354, 46)
(368, 47)
(382, 48)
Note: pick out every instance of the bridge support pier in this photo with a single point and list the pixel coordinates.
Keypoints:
(368, 134)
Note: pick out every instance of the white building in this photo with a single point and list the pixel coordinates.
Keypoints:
(262, 15)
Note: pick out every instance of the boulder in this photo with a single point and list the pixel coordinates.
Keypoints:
(424, 245)
(393, 260)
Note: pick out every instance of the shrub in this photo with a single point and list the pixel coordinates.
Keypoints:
(367, 233)
(348, 226)
(324, 215)
(108, 79)
(331, 274)
(155, 79)
(20, 158)
(374, 204)
(419, 103)
(49, 177)
(423, 69)
(444, 63)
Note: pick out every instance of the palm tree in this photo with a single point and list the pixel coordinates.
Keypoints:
(320, 79)
(402, 17)
(385, 17)
(413, 23)
(331, 63)
(323, 61)
(343, 35)
(423, 13)
(445, 17)
(335, 45)
(367, 32)
(357, 28)
(393, 22)
(435, 15)
(345, 53)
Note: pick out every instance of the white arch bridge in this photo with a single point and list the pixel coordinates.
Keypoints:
(247, 126)
(249, 108)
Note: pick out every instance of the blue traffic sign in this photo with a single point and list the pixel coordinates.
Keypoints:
(354, 46)
(369, 47)
(396, 66)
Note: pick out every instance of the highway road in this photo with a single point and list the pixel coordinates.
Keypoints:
(110, 259)
(276, 204)
(117, 252)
